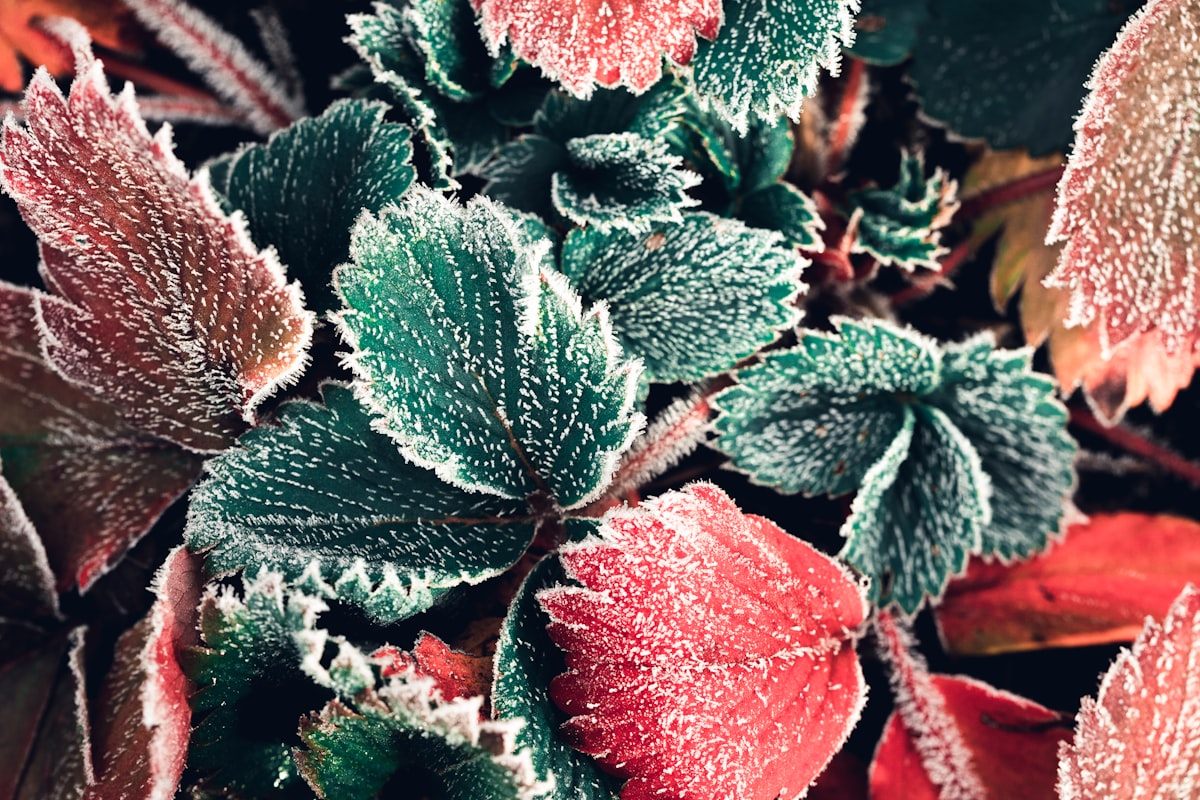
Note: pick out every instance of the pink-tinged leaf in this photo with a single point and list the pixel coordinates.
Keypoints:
(160, 303)
(675, 433)
(956, 738)
(28, 588)
(581, 43)
(143, 719)
(90, 484)
(1097, 586)
(1138, 738)
(455, 674)
(709, 653)
(1129, 202)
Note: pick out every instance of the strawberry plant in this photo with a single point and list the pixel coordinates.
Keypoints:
(512, 399)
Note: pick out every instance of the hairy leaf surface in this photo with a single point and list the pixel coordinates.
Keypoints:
(900, 226)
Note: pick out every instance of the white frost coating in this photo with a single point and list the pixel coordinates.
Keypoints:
(27, 570)
(675, 433)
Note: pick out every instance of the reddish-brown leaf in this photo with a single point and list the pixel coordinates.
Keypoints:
(1138, 738)
(455, 674)
(709, 653)
(108, 22)
(27, 591)
(1095, 587)
(159, 302)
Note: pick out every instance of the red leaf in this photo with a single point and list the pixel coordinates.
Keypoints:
(1097, 586)
(90, 484)
(1138, 738)
(160, 304)
(710, 654)
(106, 21)
(580, 43)
(455, 674)
(144, 721)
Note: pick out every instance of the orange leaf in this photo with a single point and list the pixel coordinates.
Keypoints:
(107, 21)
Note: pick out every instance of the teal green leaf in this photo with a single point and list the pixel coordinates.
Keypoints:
(324, 497)
(784, 208)
(652, 114)
(767, 57)
(1012, 72)
(521, 173)
(303, 189)
(886, 30)
(526, 661)
(456, 61)
(479, 363)
(900, 226)
(691, 299)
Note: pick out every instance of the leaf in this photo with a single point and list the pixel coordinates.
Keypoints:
(1026, 63)
(455, 674)
(767, 58)
(690, 299)
(21, 33)
(303, 189)
(496, 379)
(88, 483)
(1137, 738)
(160, 304)
(141, 741)
(784, 208)
(954, 451)
(1095, 587)
(442, 747)
(28, 590)
(899, 226)
(583, 43)
(886, 31)
(1127, 203)
(709, 653)
(324, 497)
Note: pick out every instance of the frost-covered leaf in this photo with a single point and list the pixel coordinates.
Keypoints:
(955, 451)
(1138, 738)
(141, 738)
(442, 748)
(691, 299)
(28, 590)
(160, 304)
(525, 663)
(582, 43)
(88, 482)
(784, 208)
(709, 653)
(767, 57)
(1128, 204)
(900, 226)
(302, 191)
(1095, 587)
(885, 31)
(478, 362)
(1011, 72)
(21, 32)
(325, 496)
(455, 674)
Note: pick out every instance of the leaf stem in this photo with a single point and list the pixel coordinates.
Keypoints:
(1019, 189)
(1127, 440)
(842, 137)
(931, 279)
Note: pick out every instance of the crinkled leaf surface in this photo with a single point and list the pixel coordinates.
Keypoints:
(302, 191)
(690, 299)
(885, 31)
(478, 362)
(1011, 72)
(326, 497)
(899, 226)
(954, 450)
(89, 483)
(160, 303)
(709, 653)
(1128, 203)
(767, 57)
(1138, 737)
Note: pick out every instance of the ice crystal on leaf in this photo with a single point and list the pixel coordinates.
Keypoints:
(28, 589)
(159, 302)
(478, 362)
(709, 653)
(1128, 204)
(1138, 738)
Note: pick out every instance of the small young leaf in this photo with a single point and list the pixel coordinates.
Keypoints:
(323, 496)
(160, 303)
(455, 674)
(1138, 738)
(709, 653)
(885, 31)
(302, 191)
(480, 364)
(690, 299)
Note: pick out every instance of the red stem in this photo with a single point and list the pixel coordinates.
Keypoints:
(1127, 440)
(149, 79)
(931, 280)
(1019, 189)
(839, 140)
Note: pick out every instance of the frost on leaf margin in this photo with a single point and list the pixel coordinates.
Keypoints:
(711, 693)
(159, 302)
(1138, 737)
(496, 380)
(28, 590)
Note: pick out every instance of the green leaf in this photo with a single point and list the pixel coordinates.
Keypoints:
(899, 226)
(522, 172)
(784, 208)
(457, 64)
(887, 30)
(478, 362)
(691, 299)
(303, 189)
(1010, 72)
(326, 497)
(526, 661)
(652, 114)
(768, 56)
